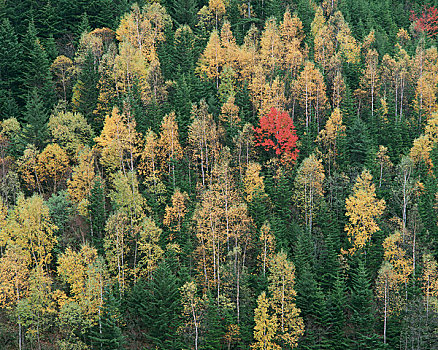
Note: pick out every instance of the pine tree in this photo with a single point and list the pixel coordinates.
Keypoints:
(35, 120)
(97, 209)
(184, 12)
(362, 306)
(10, 60)
(156, 303)
(107, 334)
(36, 71)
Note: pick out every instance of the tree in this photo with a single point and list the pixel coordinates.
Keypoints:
(37, 310)
(266, 325)
(370, 79)
(81, 183)
(170, 148)
(218, 8)
(30, 228)
(402, 265)
(267, 241)
(96, 207)
(71, 131)
(309, 188)
(157, 304)
(430, 282)
(119, 143)
(427, 21)
(363, 208)
(330, 135)
(52, 166)
(291, 33)
(277, 133)
(108, 334)
(271, 47)
(149, 248)
(281, 286)
(175, 214)
(387, 289)
(384, 161)
(35, 119)
(310, 91)
(253, 182)
(85, 92)
(203, 139)
(362, 306)
(85, 273)
(62, 68)
(10, 59)
(14, 281)
(36, 73)
(212, 59)
(192, 307)
(144, 28)
(116, 248)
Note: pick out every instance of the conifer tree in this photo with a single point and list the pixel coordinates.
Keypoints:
(10, 59)
(35, 120)
(36, 73)
(107, 335)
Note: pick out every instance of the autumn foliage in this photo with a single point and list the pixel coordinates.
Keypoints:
(277, 133)
(427, 21)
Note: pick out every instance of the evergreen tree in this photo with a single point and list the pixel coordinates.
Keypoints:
(156, 305)
(10, 61)
(36, 71)
(184, 12)
(85, 92)
(107, 334)
(362, 310)
(97, 210)
(35, 120)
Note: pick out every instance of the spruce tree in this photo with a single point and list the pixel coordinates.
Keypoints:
(36, 71)
(10, 60)
(156, 305)
(85, 92)
(107, 334)
(35, 120)
(184, 12)
(362, 310)
(97, 211)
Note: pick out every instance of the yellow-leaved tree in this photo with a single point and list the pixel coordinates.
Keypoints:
(430, 282)
(85, 273)
(266, 325)
(169, 146)
(363, 209)
(281, 286)
(119, 144)
(80, 185)
(309, 190)
(30, 229)
(329, 136)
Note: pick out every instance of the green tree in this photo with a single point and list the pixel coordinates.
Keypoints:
(35, 120)
(36, 71)
(10, 59)
(155, 304)
(85, 91)
(107, 335)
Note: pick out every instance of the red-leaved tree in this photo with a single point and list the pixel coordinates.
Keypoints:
(427, 21)
(277, 133)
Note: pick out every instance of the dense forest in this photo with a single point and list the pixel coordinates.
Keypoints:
(222, 174)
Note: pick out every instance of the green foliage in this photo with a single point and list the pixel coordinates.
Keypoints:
(155, 306)
(35, 120)
(107, 334)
